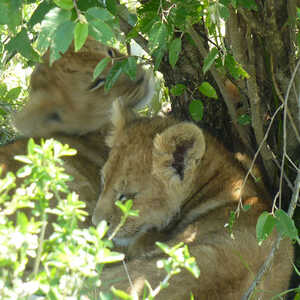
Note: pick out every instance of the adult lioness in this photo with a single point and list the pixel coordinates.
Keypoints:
(65, 103)
(185, 184)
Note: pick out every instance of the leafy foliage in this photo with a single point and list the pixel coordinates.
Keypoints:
(68, 263)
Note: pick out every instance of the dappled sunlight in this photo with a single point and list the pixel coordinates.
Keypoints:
(236, 189)
(251, 201)
(138, 286)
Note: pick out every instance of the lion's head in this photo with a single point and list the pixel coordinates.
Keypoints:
(65, 99)
(152, 162)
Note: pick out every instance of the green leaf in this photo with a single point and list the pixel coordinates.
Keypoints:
(31, 146)
(23, 159)
(224, 12)
(11, 13)
(111, 6)
(286, 225)
(106, 296)
(264, 226)
(4, 11)
(24, 172)
(210, 58)
(21, 43)
(246, 207)
(234, 68)
(22, 221)
(178, 89)
(100, 13)
(130, 67)
(244, 119)
(158, 36)
(174, 51)
(112, 257)
(3, 88)
(113, 74)
(14, 93)
(121, 294)
(206, 89)
(81, 33)
(158, 54)
(39, 13)
(62, 39)
(52, 20)
(65, 4)
(196, 110)
(101, 31)
(101, 66)
(102, 228)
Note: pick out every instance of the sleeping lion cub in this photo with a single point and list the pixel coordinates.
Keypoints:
(65, 103)
(185, 184)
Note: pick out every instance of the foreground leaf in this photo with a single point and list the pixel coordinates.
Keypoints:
(81, 32)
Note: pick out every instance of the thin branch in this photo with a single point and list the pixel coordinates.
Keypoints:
(278, 93)
(125, 27)
(284, 175)
(252, 21)
(259, 148)
(263, 269)
(78, 12)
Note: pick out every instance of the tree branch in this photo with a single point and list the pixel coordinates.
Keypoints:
(255, 103)
(126, 27)
(252, 21)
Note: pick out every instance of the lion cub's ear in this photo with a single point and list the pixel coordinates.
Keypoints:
(120, 117)
(177, 152)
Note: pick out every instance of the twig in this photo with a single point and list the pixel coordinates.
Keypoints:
(122, 13)
(125, 27)
(284, 175)
(78, 12)
(251, 20)
(263, 269)
(127, 273)
(278, 93)
(259, 148)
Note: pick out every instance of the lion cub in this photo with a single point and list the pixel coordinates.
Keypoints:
(64, 98)
(185, 184)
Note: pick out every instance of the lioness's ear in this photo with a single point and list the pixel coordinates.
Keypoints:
(120, 117)
(177, 152)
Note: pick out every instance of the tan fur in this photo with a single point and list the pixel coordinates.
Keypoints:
(67, 89)
(64, 98)
(185, 184)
